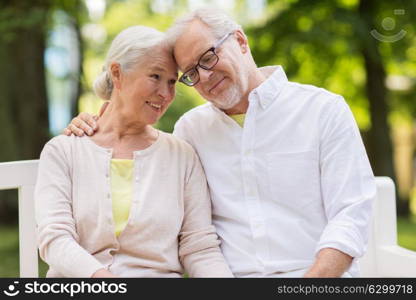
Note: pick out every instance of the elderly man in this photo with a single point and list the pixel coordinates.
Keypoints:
(289, 177)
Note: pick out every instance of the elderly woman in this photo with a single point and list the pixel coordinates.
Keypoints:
(131, 201)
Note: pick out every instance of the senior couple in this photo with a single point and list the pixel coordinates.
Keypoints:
(289, 190)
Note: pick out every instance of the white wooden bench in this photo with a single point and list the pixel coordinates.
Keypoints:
(384, 258)
(22, 175)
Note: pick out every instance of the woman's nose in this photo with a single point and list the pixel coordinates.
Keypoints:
(165, 93)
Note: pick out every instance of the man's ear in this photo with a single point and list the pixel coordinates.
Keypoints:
(115, 71)
(242, 40)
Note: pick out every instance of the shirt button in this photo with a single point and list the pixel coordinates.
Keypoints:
(137, 178)
(108, 195)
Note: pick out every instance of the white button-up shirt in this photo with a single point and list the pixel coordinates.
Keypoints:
(294, 180)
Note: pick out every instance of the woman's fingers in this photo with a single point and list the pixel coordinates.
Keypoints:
(83, 123)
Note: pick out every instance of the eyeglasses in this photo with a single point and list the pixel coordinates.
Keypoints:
(207, 61)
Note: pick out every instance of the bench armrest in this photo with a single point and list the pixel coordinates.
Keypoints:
(396, 261)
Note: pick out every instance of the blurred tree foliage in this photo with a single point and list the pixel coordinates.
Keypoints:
(24, 114)
(24, 26)
(328, 43)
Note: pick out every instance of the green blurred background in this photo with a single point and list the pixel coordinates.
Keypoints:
(51, 52)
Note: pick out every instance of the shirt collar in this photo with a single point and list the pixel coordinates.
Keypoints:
(271, 87)
(268, 90)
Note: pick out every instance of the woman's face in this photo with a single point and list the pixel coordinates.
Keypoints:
(149, 89)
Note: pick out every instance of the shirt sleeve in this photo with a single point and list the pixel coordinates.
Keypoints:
(199, 249)
(57, 236)
(347, 183)
(181, 131)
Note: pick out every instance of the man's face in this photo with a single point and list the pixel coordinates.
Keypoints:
(226, 83)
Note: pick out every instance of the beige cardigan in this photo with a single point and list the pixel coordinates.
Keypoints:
(170, 217)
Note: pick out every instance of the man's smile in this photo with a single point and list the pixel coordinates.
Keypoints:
(218, 84)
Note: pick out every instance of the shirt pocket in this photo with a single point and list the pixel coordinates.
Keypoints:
(293, 178)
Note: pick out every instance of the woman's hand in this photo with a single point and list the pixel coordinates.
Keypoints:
(103, 273)
(84, 123)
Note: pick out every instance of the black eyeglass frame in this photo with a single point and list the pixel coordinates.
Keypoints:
(195, 68)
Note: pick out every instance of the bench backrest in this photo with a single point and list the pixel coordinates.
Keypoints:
(22, 175)
(383, 227)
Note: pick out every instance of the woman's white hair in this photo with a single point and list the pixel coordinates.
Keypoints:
(128, 48)
(218, 22)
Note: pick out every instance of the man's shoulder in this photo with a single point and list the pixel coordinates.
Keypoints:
(199, 111)
(314, 92)
(194, 122)
(313, 99)
(201, 114)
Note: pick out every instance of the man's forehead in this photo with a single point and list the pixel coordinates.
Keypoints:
(196, 39)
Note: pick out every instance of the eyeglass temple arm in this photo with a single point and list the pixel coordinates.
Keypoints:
(223, 39)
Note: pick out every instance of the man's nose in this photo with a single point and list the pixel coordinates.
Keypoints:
(205, 75)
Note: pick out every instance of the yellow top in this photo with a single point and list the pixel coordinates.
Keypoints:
(121, 191)
(239, 119)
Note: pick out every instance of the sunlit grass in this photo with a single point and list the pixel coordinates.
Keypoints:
(9, 253)
(407, 233)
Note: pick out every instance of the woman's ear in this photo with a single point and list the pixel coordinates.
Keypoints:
(115, 71)
(242, 40)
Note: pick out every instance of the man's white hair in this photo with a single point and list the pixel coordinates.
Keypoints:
(128, 48)
(216, 20)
